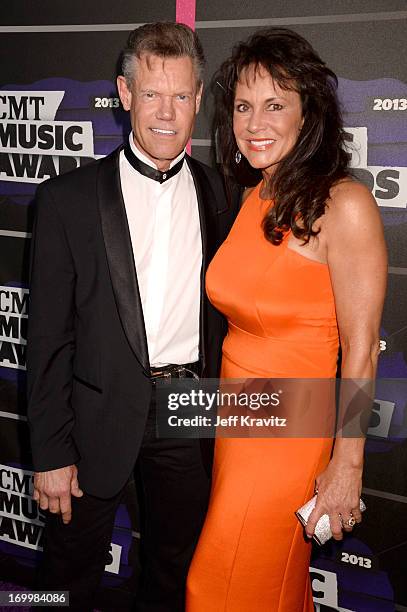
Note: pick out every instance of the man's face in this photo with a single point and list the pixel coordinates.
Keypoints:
(163, 101)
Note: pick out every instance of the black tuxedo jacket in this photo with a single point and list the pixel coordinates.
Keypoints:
(87, 356)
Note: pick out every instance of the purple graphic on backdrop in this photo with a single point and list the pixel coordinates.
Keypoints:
(364, 105)
(346, 576)
(53, 126)
(378, 106)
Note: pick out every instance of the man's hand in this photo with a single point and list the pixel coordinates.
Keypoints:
(53, 490)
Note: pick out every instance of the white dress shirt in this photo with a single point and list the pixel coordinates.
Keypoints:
(167, 247)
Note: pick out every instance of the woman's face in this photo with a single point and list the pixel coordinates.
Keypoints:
(266, 119)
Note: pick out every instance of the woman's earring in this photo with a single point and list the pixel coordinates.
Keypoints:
(238, 157)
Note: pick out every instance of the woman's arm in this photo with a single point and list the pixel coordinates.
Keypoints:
(357, 260)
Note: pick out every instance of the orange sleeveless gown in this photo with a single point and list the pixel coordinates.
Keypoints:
(252, 555)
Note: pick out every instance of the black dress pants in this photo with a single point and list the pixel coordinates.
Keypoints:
(174, 489)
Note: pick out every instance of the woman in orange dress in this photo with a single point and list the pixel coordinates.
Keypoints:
(302, 271)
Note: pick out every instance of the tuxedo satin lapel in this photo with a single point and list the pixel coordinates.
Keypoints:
(207, 210)
(207, 216)
(120, 258)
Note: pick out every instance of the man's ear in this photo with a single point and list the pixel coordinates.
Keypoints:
(124, 92)
(198, 98)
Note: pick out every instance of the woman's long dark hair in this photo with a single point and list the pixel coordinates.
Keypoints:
(302, 181)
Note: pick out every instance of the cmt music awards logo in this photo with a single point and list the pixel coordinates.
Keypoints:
(34, 145)
(380, 106)
(13, 327)
(22, 521)
(388, 185)
(49, 127)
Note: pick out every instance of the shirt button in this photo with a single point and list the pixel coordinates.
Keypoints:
(164, 176)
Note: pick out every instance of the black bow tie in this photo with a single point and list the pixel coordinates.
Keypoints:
(147, 170)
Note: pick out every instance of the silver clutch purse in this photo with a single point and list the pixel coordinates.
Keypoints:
(322, 529)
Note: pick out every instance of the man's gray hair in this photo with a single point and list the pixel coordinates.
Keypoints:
(165, 39)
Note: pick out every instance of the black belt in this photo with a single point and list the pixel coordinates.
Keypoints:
(172, 370)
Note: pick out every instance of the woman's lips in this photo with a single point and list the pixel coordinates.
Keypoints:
(260, 145)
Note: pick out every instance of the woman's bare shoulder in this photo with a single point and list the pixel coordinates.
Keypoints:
(350, 202)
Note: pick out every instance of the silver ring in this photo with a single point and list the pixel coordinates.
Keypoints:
(351, 522)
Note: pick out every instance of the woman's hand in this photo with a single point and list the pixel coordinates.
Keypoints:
(339, 488)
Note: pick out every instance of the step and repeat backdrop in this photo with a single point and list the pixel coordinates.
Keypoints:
(59, 109)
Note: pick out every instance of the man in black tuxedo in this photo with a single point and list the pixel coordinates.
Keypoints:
(119, 254)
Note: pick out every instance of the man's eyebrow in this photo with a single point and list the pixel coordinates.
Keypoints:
(188, 92)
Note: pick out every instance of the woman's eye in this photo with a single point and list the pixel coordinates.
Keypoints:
(241, 108)
(274, 107)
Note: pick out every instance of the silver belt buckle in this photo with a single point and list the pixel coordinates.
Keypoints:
(165, 377)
